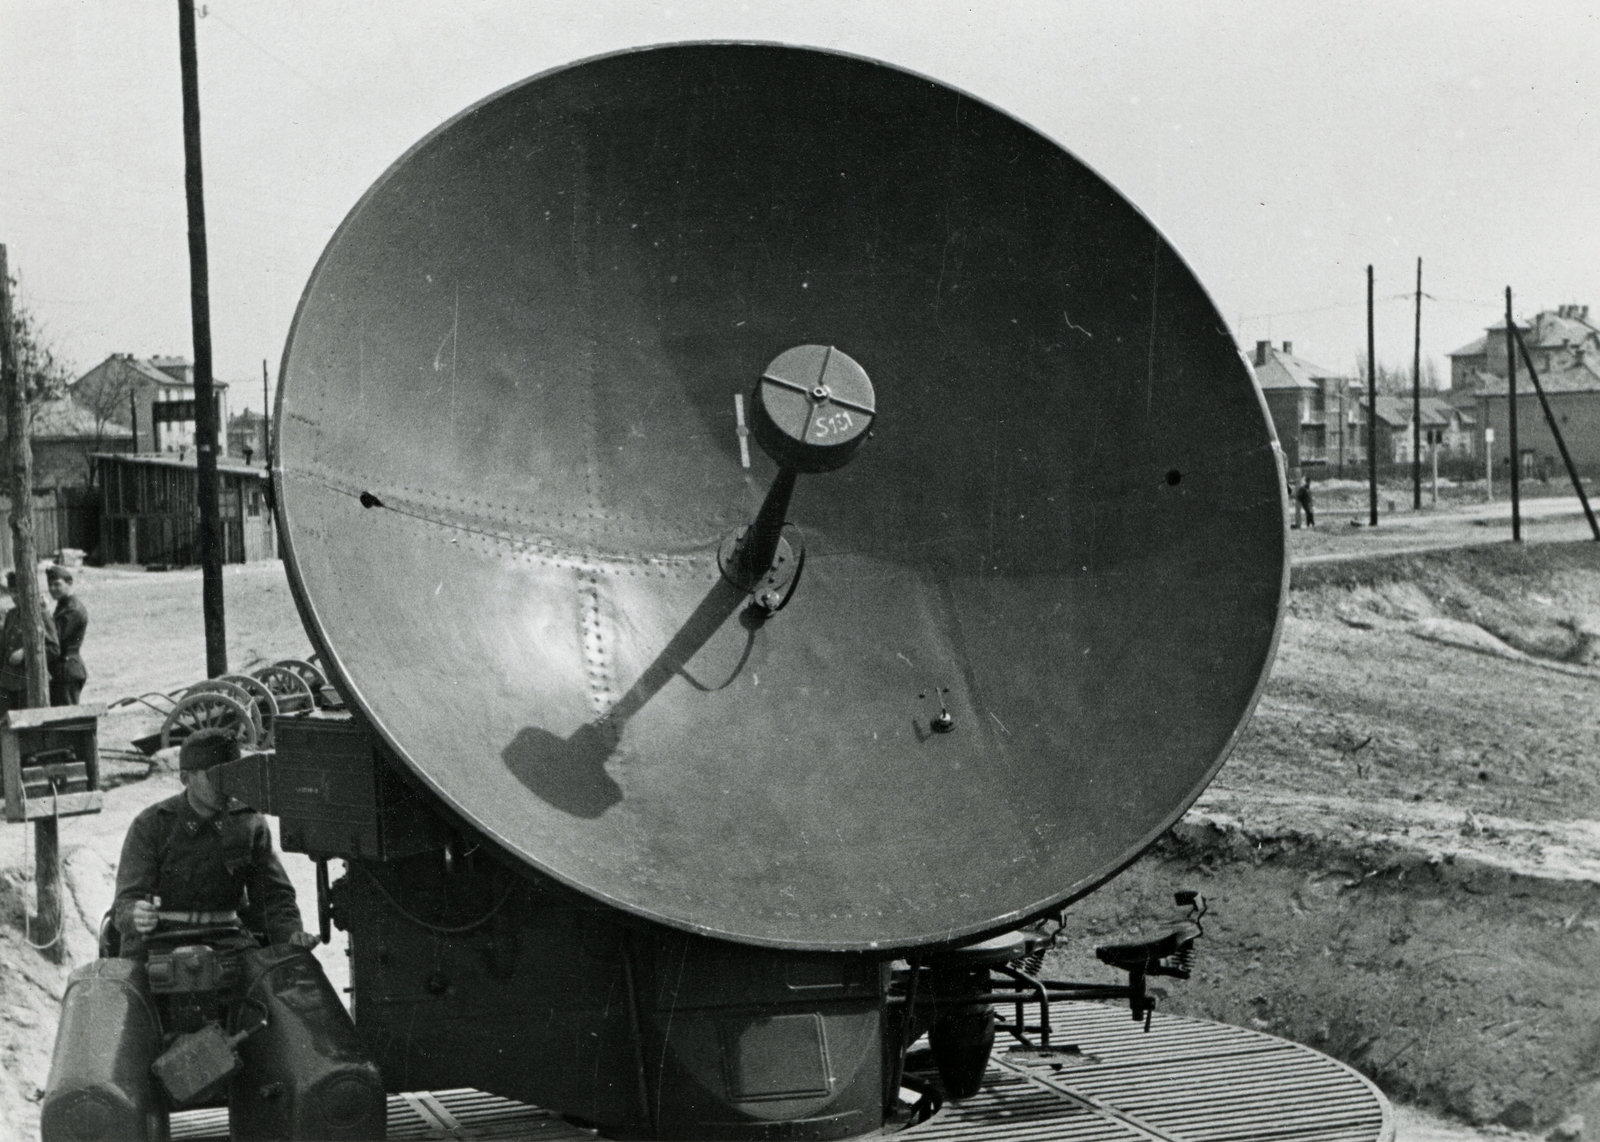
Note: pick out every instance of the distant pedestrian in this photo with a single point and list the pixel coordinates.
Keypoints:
(13, 664)
(1302, 499)
(72, 622)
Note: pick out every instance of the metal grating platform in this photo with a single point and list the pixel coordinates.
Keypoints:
(1186, 1081)
(444, 1114)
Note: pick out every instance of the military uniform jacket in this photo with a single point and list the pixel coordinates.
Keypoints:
(224, 863)
(16, 677)
(72, 623)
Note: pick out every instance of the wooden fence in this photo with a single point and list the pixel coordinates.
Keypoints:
(62, 518)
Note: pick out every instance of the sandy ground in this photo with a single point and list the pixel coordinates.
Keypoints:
(1435, 708)
(1403, 850)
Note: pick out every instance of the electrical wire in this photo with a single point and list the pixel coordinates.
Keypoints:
(1321, 308)
(442, 929)
(273, 56)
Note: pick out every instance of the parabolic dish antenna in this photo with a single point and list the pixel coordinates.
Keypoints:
(1018, 580)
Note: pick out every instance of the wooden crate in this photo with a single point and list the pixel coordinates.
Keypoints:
(50, 761)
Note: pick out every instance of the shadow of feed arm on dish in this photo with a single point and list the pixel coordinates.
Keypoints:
(569, 773)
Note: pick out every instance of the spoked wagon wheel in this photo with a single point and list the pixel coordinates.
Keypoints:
(293, 693)
(308, 673)
(157, 702)
(204, 710)
(266, 705)
(233, 690)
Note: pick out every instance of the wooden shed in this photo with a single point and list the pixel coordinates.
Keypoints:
(150, 511)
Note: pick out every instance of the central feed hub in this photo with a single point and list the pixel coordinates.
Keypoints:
(812, 409)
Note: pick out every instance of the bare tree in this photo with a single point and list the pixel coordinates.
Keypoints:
(1395, 381)
(43, 374)
(109, 398)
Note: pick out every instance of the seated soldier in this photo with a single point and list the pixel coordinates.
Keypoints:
(201, 859)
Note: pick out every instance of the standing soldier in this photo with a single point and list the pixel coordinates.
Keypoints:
(1303, 502)
(72, 621)
(13, 670)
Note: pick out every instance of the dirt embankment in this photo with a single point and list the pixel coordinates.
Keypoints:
(1403, 853)
(1458, 985)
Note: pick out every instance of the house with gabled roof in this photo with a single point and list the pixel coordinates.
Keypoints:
(1316, 420)
(64, 435)
(1564, 345)
(1574, 395)
(153, 398)
(1555, 339)
(62, 438)
(1444, 429)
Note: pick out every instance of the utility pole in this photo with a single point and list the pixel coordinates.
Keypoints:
(266, 422)
(205, 409)
(1511, 425)
(46, 836)
(1416, 411)
(1372, 412)
(1561, 442)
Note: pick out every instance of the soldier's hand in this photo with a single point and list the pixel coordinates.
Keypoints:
(144, 916)
(16, 657)
(304, 940)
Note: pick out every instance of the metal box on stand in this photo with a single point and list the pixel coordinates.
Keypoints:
(50, 760)
(338, 791)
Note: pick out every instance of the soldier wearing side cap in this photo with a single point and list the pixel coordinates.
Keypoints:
(203, 859)
(72, 622)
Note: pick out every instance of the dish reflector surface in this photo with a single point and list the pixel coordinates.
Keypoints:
(534, 344)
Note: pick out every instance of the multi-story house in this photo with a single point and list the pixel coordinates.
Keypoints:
(1312, 410)
(154, 399)
(1564, 345)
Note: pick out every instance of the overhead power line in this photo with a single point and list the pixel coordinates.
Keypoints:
(1330, 307)
(273, 56)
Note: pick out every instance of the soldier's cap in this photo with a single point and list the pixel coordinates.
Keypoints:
(206, 748)
(56, 571)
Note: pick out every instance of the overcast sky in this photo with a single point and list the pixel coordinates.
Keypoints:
(1281, 147)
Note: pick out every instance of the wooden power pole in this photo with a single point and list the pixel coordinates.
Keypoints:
(1372, 413)
(266, 420)
(1511, 423)
(205, 409)
(1416, 408)
(46, 837)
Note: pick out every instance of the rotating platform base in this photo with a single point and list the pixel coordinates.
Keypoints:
(1188, 1080)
